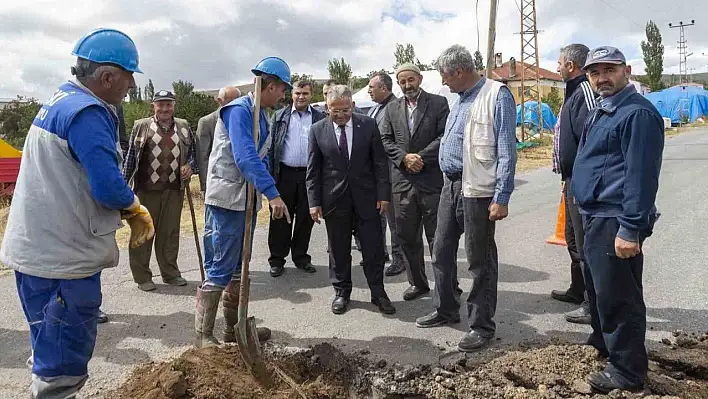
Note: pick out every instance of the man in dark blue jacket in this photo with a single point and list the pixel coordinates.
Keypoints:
(615, 180)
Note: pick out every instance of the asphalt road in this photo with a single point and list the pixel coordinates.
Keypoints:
(159, 325)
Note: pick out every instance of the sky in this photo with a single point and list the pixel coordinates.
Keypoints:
(213, 43)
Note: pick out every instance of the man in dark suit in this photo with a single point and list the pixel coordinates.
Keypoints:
(290, 129)
(411, 133)
(348, 186)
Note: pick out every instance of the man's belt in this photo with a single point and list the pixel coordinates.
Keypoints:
(295, 168)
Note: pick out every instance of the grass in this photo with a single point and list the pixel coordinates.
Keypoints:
(537, 157)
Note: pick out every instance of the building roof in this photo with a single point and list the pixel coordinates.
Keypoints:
(504, 73)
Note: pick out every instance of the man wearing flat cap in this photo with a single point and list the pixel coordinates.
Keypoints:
(411, 132)
(160, 161)
(615, 181)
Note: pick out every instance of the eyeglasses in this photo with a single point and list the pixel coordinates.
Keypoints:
(340, 111)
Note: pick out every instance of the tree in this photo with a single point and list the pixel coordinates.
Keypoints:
(358, 82)
(653, 52)
(16, 119)
(478, 61)
(133, 94)
(149, 91)
(135, 110)
(406, 55)
(553, 99)
(339, 71)
(182, 89)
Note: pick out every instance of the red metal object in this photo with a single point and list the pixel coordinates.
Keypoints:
(9, 169)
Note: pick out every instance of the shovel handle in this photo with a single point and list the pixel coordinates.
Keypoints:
(194, 227)
(250, 209)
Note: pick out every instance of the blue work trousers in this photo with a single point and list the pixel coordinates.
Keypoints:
(616, 299)
(223, 244)
(63, 319)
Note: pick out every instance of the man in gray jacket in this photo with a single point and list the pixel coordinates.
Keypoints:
(205, 131)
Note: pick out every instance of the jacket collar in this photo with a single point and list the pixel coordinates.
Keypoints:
(88, 91)
(610, 104)
(573, 84)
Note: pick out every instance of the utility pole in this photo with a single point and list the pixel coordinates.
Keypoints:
(682, 49)
(490, 38)
(530, 79)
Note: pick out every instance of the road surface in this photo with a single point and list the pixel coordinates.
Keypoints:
(159, 325)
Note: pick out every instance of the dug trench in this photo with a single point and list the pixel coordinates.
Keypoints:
(678, 368)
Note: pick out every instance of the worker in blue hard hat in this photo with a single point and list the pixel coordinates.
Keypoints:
(68, 203)
(235, 160)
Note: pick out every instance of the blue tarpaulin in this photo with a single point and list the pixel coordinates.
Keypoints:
(531, 117)
(681, 102)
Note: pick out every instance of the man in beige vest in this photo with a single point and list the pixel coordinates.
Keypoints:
(478, 160)
(160, 161)
(205, 131)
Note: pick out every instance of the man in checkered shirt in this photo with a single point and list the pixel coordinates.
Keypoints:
(160, 160)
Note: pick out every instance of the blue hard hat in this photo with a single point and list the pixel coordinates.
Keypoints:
(108, 46)
(274, 66)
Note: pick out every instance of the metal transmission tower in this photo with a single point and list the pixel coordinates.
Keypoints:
(530, 79)
(683, 71)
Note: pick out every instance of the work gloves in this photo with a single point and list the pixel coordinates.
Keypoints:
(140, 222)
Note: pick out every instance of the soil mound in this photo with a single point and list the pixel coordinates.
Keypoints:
(678, 369)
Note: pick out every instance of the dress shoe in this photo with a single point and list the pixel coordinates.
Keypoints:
(308, 267)
(384, 304)
(339, 305)
(435, 319)
(580, 315)
(102, 317)
(604, 382)
(276, 271)
(472, 341)
(394, 269)
(567, 296)
(414, 292)
(147, 286)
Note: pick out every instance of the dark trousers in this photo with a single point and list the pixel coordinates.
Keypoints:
(414, 212)
(396, 249)
(615, 295)
(575, 238)
(457, 215)
(284, 238)
(340, 222)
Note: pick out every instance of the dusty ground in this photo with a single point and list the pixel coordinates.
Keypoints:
(678, 368)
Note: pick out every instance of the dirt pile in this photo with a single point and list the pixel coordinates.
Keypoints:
(678, 369)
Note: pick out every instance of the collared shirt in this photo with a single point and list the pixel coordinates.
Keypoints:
(296, 140)
(451, 144)
(349, 131)
(411, 105)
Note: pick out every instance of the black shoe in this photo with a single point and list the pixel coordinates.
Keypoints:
(414, 292)
(394, 269)
(276, 271)
(567, 296)
(435, 319)
(580, 315)
(384, 304)
(604, 382)
(472, 341)
(339, 305)
(308, 267)
(102, 317)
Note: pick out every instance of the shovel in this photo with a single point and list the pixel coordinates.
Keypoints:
(246, 333)
(194, 226)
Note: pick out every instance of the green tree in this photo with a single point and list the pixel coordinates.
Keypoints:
(553, 99)
(339, 71)
(16, 119)
(406, 54)
(149, 91)
(478, 61)
(134, 94)
(182, 88)
(358, 83)
(653, 52)
(135, 110)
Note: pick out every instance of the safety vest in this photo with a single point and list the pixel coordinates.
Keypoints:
(56, 229)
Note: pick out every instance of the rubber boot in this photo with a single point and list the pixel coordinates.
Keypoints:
(230, 309)
(207, 306)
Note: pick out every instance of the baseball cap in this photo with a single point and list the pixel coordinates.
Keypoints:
(163, 95)
(605, 55)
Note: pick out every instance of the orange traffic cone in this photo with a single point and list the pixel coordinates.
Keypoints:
(559, 237)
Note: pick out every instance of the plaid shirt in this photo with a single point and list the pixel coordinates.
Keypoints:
(451, 150)
(132, 156)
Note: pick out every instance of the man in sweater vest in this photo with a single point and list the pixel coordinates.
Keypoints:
(579, 101)
(68, 203)
(160, 161)
(478, 161)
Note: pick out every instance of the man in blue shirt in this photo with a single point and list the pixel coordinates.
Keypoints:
(615, 180)
(478, 160)
(235, 160)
